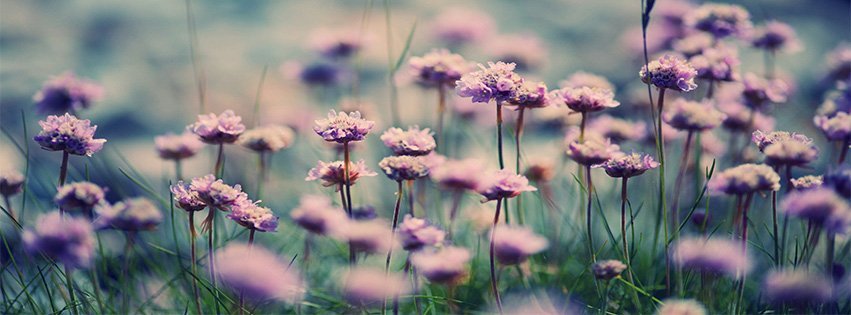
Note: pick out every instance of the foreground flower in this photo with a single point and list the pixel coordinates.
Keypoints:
(496, 82)
(628, 165)
(807, 182)
(669, 72)
(258, 274)
(818, 206)
(607, 269)
(11, 182)
(69, 240)
(343, 127)
(681, 307)
(503, 184)
(692, 116)
(136, 214)
(776, 36)
(414, 141)
(592, 151)
(80, 195)
(316, 215)
(416, 233)
(177, 147)
(252, 216)
(332, 173)
(400, 168)
(69, 134)
(458, 174)
(796, 287)
(745, 178)
(514, 244)
(438, 67)
(716, 256)
(764, 139)
(212, 129)
(270, 138)
(66, 93)
(215, 193)
(586, 99)
(530, 95)
(365, 285)
(720, 20)
(445, 265)
(185, 198)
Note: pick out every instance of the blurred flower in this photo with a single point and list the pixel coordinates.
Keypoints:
(581, 78)
(11, 182)
(438, 67)
(315, 74)
(717, 256)
(692, 116)
(669, 72)
(503, 184)
(212, 129)
(342, 128)
(433, 160)
(414, 141)
(837, 101)
(839, 62)
(514, 244)
(69, 240)
(215, 193)
(364, 213)
(628, 165)
(257, 274)
(530, 95)
(744, 179)
(759, 91)
(840, 180)
(185, 198)
(764, 139)
(333, 173)
(496, 82)
(720, 63)
(693, 44)
(316, 215)
(80, 195)
(796, 287)
(790, 152)
(416, 233)
(271, 138)
(720, 20)
(776, 36)
(607, 269)
(66, 93)
(250, 215)
(527, 51)
(807, 182)
(837, 128)
(135, 214)
(738, 117)
(337, 43)
(592, 151)
(445, 265)
(458, 174)
(69, 134)
(617, 129)
(585, 99)
(817, 206)
(371, 236)
(403, 167)
(177, 147)
(365, 285)
(681, 307)
(457, 26)
(540, 170)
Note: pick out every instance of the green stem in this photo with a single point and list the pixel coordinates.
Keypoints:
(588, 220)
(494, 287)
(69, 282)
(193, 257)
(441, 112)
(63, 168)
(626, 257)
(393, 232)
(518, 133)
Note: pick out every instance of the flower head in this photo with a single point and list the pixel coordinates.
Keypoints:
(669, 72)
(759, 91)
(70, 240)
(514, 244)
(342, 127)
(503, 184)
(775, 36)
(744, 179)
(213, 129)
(693, 44)
(333, 173)
(796, 287)
(79, 195)
(497, 82)
(607, 269)
(618, 129)
(839, 62)
(681, 307)
(530, 95)
(445, 265)
(69, 134)
(837, 128)
(257, 274)
(438, 67)
(592, 151)
(215, 193)
(11, 182)
(458, 174)
(320, 74)
(837, 101)
(372, 236)
(807, 182)
(628, 165)
(719, 63)
(716, 256)
(270, 138)
(316, 215)
(738, 117)
(136, 214)
(840, 180)
(185, 198)
(540, 170)
(416, 233)
(364, 285)
(403, 167)
(692, 116)
(586, 99)
(414, 141)
(177, 147)
(817, 205)
(337, 43)
(581, 78)
(253, 216)
(785, 148)
(66, 93)
(720, 20)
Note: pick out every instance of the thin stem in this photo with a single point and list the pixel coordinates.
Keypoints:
(192, 235)
(63, 168)
(261, 170)
(829, 251)
(441, 112)
(453, 211)
(125, 271)
(219, 161)
(678, 183)
(69, 282)
(494, 287)
(499, 134)
(242, 294)
(518, 133)
(588, 214)
(346, 161)
(582, 123)
(660, 151)
(393, 232)
(9, 209)
(410, 184)
(626, 257)
(251, 237)
(211, 223)
(178, 169)
(843, 151)
(745, 207)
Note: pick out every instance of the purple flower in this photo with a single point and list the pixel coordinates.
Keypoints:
(333, 173)
(720, 20)
(608, 269)
(69, 134)
(837, 101)
(316, 215)
(215, 193)
(270, 138)
(458, 174)
(136, 214)
(497, 82)
(669, 72)
(530, 95)
(790, 152)
(416, 233)
(258, 274)
(527, 50)
(438, 67)
(341, 127)
(628, 165)
(403, 167)
(837, 128)
(585, 99)
(457, 26)
(817, 205)
(840, 180)
(320, 74)
(66, 93)
(254, 217)
(693, 44)
(177, 147)
(540, 170)
(11, 182)
(337, 43)
(775, 36)
(720, 63)
(618, 129)
(592, 151)
(759, 91)
(763, 139)
(69, 240)
(581, 78)
(445, 265)
(796, 287)
(717, 256)
(365, 285)
(371, 236)
(738, 117)
(185, 198)
(414, 141)
(692, 116)
(681, 307)
(807, 182)
(503, 184)
(514, 244)
(839, 62)
(80, 195)
(212, 129)
(744, 179)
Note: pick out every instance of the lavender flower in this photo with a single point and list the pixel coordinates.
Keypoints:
(414, 141)
(759, 91)
(416, 233)
(177, 147)
(458, 174)
(720, 20)
(692, 116)
(250, 215)
(790, 152)
(618, 129)
(342, 128)
(11, 182)
(337, 43)
(719, 63)
(763, 139)
(316, 215)
(69, 241)
(364, 285)
(514, 244)
(585, 99)
(212, 129)
(446, 265)
(333, 174)
(693, 44)
(840, 180)
(320, 74)
(807, 182)
(608, 269)
(497, 82)
(403, 167)
(681, 307)
(503, 184)
(215, 193)
(837, 101)
(775, 36)
(258, 274)
(69, 134)
(836, 128)
(80, 195)
(438, 67)
(582, 78)
(66, 93)
(136, 214)
(796, 287)
(270, 138)
(457, 26)
(526, 50)
(745, 178)
(669, 72)
(592, 151)
(738, 117)
(185, 198)
(839, 62)
(371, 236)
(628, 165)
(817, 205)
(717, 256)
(530, 95)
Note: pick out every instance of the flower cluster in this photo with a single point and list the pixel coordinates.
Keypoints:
(717, 256)
(66, 93)
(185, 198)
(257, 274)
(209, 191)
(607, 269)
(416, 233)
(807, 182)
(270, 138)
(617, 129)
(582, 78)
(400, 168)
(213, 129)
(820, 206)
(11, 182)
(720, 20)
(503, 184)
(692, 116)
(342, 127)
(80, 195)
(586, 99)
(784, 148)
(719, 63)
(69, 134)
(765, 139)
(337, 43)
(136, 214)
(458, 174)
(414, 141)
(497, 82)
(70, 241)
(530, 95)
(628, 165)
(681, 307)
(592, 151)
(371, 236)
(177, 147)
(759, 91)
(775, 36)
(438, 67)
(836, 128)
(252, 216)
(669, 72)
(744, 179)
(364, 285)
(514, 244)
(796, 287)
(316, 215)
(333, 173)
(693, 44)
(445, 265)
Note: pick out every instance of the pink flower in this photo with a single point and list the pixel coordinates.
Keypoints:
(503, 184)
